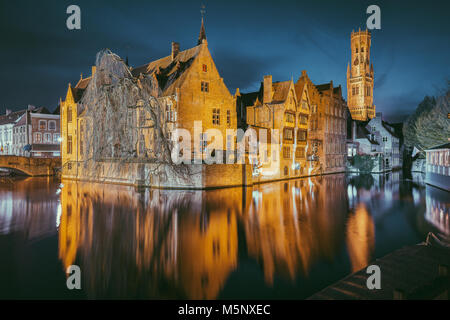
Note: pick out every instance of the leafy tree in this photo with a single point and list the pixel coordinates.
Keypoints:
(364, 163)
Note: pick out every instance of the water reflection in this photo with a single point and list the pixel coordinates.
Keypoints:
(288, 238)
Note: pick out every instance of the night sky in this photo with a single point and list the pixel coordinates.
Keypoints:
(248, 39)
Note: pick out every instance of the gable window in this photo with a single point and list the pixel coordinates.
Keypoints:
(52, 125)
(69, 114)
(290, 117)
(205, 86)
(69, 144)
(228, 117)
(303, 120)
(42, 125)
(205, 68)
(216, 116)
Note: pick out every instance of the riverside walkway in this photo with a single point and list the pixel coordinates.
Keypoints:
(415, 272)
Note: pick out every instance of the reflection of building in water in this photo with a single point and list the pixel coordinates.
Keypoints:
(25, 209)
(291, 225)
(438, 205)
(360, 237)
(157, 243)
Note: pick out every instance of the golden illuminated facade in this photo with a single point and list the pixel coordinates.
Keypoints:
(189, 85)
(281, 107)
(360, 78)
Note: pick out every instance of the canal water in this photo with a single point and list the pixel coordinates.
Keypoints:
(282, 240)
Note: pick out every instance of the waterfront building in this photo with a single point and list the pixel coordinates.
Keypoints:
(37, 134)
(7, 123)
(360, 77)
(189, 86)
(362, 142)
(331, 121)
(280, 107)
(384, 133)
(438, 166)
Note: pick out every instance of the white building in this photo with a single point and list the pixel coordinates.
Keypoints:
(7, 122)
(438, 166)
(384, 133)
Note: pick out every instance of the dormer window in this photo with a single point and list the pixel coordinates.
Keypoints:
(205, 68)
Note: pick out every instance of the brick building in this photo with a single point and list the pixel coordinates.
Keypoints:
(37, 134)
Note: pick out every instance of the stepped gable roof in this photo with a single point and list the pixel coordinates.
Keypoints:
(12, 117)
(169, 73)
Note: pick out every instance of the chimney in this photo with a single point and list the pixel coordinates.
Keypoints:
(175, 50)
(267, 98)
(31, 107)
(94, 68)
(8, 112)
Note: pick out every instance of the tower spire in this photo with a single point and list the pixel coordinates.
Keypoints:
(202, 35)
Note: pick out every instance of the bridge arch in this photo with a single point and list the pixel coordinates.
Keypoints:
(21, 172)
(30, 166)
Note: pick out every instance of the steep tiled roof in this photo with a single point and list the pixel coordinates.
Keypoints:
(280, 91)
(389, 129)
(169, 73)
(12, 117)
(22, 121)
(83, 83)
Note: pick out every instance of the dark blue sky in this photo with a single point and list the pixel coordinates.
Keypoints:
(248, 39)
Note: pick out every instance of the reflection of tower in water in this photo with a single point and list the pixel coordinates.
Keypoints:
(360, 237)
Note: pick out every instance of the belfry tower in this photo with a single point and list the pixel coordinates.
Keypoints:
(360, 78)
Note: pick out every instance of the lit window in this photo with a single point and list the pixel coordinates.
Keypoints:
(205, 68)
(228, 117)
(288, 134)
(69, 114)
(69, 144)
(42, 125)
(37, 137)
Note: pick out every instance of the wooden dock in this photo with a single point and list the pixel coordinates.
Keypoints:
(415, 272)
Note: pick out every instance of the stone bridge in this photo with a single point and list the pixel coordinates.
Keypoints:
(31, 166)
